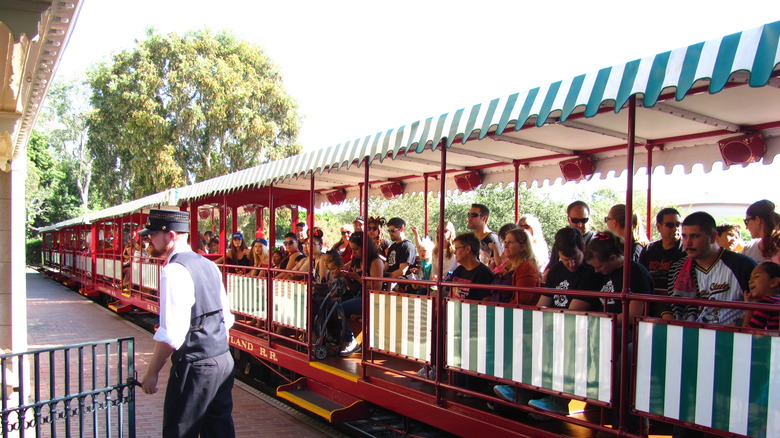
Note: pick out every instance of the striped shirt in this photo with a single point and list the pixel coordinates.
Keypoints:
(766, 320)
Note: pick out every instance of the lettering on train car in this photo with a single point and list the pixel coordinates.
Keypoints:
(152, 308)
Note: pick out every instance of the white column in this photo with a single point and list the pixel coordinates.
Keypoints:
(13, 285)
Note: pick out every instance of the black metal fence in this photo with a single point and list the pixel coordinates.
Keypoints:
(73, 390)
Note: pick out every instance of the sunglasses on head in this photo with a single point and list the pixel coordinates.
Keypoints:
(578, 220)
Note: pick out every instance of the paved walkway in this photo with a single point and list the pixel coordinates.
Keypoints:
(59, 316)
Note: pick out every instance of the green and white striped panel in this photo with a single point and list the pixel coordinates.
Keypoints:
(101, 266)
(247, 295)
(290, 303)
(401, 325)
(136, 268)
(558, 351)
(150, 275)
(724, 380)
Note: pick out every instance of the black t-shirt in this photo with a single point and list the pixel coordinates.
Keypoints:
(485, 253)
(400, 252)
(290, 261)
(659, 261)
(641, 282)
(479, 275)
(584, 278)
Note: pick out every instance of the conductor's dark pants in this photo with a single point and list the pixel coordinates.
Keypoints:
(199, 399)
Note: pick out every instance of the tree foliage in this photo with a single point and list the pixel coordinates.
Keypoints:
(181, 109)
(51, 192)
(66, 127)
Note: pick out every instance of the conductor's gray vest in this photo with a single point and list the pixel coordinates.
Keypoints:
(207, 336)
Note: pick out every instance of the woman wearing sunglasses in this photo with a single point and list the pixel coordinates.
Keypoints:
(763, 223)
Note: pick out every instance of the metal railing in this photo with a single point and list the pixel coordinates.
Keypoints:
(70, 390)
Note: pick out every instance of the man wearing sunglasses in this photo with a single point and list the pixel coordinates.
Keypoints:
(659, 256)
(578, 216)
(402, 253)
(477, 220)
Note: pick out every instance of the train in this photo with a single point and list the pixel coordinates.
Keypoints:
(716, 101)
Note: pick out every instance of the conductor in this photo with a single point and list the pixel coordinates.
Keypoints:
(193, 332)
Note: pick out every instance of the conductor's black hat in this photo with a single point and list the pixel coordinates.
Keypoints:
(166, 220)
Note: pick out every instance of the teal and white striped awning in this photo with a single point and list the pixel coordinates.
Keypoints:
(715, 88)
(711, 64)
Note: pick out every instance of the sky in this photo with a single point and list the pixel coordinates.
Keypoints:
(360, 67)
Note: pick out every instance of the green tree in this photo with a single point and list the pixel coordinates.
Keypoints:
(181, 109)
(66, 127)
(51, 193)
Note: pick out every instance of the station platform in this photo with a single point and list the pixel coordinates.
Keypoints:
(58, 316)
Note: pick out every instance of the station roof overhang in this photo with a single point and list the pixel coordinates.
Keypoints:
(33, 35)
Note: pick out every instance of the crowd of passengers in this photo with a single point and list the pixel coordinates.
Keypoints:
(694, 258)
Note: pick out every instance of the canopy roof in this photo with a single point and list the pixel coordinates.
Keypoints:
(688, 99)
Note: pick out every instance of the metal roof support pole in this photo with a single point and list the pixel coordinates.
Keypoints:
(365, 270)
(438, 320)
(517, 190)
(312, 267)
(194, 235)
(222, 225)
(649, 218)
(627, 252)
(425, 203)
(260, 221)
(233, 221)
(269, 293)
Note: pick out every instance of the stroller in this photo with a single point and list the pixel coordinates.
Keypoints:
(329, 325)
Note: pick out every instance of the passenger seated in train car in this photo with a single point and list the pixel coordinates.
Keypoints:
(207, 236)
(449, 261)
(313, 254)
(402, 253)
(764, 288)
(531, 224)
(342, 246)
(499, 258)
(519, 269)
(478, 217)
(708, 272)
(355, 275)
(470, 269)
(259, 258)
(659, 256)
(301, 233)
(616, 223)
(605, 254)
(237, 254)
(424, 248)
(730, 237)
(293, 261)
(127, 261)
(277, 256)
(213, 246)
(578, 217)
(376, 232)
(763, 223)
(357, 224)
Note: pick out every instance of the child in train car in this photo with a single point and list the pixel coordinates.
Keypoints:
(764, 288)
(424, 253)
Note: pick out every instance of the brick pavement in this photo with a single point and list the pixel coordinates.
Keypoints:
(59, 316)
